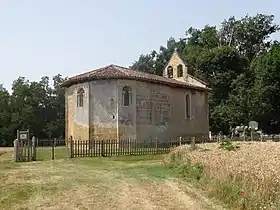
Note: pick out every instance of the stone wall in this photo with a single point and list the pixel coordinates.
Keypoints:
(174, 61)
(159, 111)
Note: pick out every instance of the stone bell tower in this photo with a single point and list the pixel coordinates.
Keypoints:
(176, 68)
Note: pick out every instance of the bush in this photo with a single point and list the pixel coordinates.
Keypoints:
(179, 160)
(194, 171)
(228, 145)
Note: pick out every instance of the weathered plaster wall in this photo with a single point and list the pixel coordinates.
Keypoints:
(103, 109)
(155, 111)
(159, 111)
(77, 118)
(126, 114)
(166, 112)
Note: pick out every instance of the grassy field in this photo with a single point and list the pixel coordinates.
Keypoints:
(245, 178)
(131, 182)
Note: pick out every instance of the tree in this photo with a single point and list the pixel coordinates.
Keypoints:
(266, 89)
(226, 58)
(5, 116)
(32, 105)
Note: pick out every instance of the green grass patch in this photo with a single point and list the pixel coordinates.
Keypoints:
(45, 153)
(151, 172)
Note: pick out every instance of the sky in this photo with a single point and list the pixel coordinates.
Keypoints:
(47, 37)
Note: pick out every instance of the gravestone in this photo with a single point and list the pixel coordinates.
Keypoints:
(253, 125)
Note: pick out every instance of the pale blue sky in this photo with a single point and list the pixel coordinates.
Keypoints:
(46, 37)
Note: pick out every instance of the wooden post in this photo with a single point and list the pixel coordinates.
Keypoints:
(156, 145)
(70, 147)
(102, 148)
(16, 150)
(34, 148)
(90, 147)
(53, 145)
(193, 143)
(129, 146)
(180, 140)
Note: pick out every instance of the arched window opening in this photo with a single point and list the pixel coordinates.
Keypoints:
(187, 106)
(170, 72)
(80, 97)
(180, 70)
(126, 96)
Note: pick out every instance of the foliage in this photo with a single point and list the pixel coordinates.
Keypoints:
(228, 145)
(239, 61)
(32, 105)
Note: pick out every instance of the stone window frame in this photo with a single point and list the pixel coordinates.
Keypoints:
(126, 96)
(180, 70)
(170, 72)
(80, 97)
(187, 100)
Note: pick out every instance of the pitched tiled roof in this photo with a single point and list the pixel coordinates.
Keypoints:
(118, 72)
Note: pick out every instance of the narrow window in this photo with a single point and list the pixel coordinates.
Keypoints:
(188, 106)
(170, 72)
(80, 97)
(127, 95)
(180, 70)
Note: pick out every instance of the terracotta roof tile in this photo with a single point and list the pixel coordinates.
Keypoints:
(119, 72)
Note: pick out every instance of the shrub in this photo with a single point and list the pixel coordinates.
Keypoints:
(228, 145)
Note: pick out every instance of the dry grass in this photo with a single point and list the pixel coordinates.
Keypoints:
(4, 150)
(253, 168)
(95, 183)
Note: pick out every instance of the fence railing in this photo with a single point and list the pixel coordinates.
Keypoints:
(93, 148)
(50, 149)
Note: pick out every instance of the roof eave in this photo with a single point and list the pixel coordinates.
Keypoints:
(70, 82)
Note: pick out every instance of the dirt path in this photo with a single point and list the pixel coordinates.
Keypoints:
(95, 184)
(169, 194)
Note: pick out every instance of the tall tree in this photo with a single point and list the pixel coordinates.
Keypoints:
(5, 116)
(266, 89)
(223, 57)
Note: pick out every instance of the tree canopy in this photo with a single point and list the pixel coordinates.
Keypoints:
(32, 105)
(238, 59)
